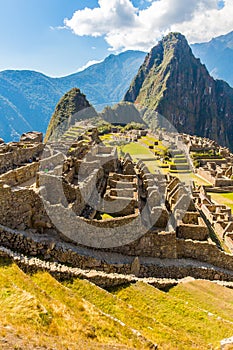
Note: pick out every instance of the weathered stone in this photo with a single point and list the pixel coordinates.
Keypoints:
(32, 137)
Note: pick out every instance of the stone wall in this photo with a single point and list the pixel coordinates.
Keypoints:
(111, 223)
(152, 244)
(22, 208)
(20, 175)
(33, 245)
(215, 181)
(120, 205)
(204, 251)
(16, 154)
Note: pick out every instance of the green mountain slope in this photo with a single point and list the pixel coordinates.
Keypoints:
(72, 108)
(28, 98)
(217, 54)
(175, 84)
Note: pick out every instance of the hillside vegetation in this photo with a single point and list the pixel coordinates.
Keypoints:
(28, 98)
(172, 83)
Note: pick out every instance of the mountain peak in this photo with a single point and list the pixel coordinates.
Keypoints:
(72, 107)
(174, 83)
(174, 37)
(172, 47)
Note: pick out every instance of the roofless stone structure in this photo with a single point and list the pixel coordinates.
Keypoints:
(76, 202)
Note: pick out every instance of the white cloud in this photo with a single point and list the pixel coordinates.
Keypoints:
(110, 15)
(88, 64)
(126, 27)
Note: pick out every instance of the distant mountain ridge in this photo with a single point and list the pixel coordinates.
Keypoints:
(28, 98)
(174, 84)
(217, 55)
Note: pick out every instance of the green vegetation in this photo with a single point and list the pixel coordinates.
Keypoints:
(71, 108)
(104, 128)
(133, 315)
(103, 216)
(208, 296)
(36, 310)
(133, 126)
(197, 313)
(106, 137)
(136, 149)
(223, 198)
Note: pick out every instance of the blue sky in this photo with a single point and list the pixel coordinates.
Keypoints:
(33, 34)
(28, 42)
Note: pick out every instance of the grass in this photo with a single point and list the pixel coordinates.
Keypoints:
(223, 198)
(136, 149)
(41, 311)
(198, 312)
(103, 216)
(139, 150)
(106, 137)
(36, 311)
(150, 140)
(129, 314)
(209, 296)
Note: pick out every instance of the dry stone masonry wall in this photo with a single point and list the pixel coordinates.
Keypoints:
(86, 180)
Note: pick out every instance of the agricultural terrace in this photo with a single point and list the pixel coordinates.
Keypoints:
(152, 151)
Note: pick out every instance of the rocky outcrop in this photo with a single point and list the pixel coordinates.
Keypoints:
(175, 84)
(122, 113)
(72, 108)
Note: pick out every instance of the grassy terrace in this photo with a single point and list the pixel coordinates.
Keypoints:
(150, 150)
(38, 312)
(177, 310)
(139, 151)
(223, 198)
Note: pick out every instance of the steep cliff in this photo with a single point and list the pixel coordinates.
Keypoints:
(72, 107)
(174, 83)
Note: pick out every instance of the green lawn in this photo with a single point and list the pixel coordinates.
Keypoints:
(223, 198)
(136, 149)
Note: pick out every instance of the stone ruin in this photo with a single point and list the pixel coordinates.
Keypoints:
(219, 217)
(219, 175)
(53, 195)
(215, 167)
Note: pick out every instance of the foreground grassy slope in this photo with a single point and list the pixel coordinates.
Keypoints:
(203, 324)
(38, 312)
(163, 317)
(208, 296)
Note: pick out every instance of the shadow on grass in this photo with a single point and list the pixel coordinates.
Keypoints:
(5, 261)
